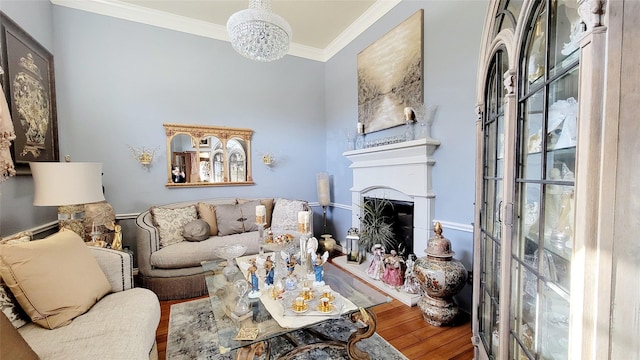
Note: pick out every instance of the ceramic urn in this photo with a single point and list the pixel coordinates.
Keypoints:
(441, 277)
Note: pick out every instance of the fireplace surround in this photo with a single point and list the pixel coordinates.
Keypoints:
(402, 172)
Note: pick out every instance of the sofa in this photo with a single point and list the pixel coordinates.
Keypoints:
(65, 317)
(169, 263)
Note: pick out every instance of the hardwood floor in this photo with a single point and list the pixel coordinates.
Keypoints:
(402, 326)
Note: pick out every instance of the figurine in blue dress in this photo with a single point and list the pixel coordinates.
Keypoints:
(318, 268)
(252, 277)
(268, 266)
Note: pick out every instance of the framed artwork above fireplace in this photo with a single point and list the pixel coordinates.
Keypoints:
(390, 75)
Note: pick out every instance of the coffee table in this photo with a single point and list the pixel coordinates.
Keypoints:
(223, 297)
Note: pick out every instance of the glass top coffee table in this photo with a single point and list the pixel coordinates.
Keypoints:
(248, 333)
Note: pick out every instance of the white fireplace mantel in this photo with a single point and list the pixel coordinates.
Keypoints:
(400, 171)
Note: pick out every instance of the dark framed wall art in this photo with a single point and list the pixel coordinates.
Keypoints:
(390, 75)
(29, 86)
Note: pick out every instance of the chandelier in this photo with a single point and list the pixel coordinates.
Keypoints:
(259, 34)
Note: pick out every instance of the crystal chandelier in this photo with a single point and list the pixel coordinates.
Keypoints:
(259, 34)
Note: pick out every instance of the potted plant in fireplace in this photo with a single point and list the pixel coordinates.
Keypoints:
(375, 226)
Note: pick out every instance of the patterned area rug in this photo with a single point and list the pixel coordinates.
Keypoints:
(193, 335)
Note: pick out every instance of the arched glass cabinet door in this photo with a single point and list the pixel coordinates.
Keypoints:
(490, 213)
(544, 183)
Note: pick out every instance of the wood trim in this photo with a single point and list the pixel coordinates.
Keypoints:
(585, 278)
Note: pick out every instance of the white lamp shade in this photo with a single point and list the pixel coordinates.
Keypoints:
(66, 183)
(324, 195)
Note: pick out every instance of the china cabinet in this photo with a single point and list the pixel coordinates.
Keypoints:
(545, 255)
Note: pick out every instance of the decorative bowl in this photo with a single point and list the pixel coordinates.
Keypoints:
(230, 252)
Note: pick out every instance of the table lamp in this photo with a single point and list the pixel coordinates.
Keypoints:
(67, 185)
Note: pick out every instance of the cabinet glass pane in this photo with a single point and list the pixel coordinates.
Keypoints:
(534, 66)
(490, 288)
(562, 114)
(508, 13)
(554, 329)
(566, 30)
(490, 149)
(489, 211)
(558, 219)
(532, 123)
(497, 224)
(527, 238)
(524, 308)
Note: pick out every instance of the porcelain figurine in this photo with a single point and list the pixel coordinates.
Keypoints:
(392, 275)
(312, 248)
(318, 263)
(411, 284)
(376, 266)
(269, 268)
(252, 277)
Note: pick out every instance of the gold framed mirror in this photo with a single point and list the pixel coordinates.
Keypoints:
(200, 155)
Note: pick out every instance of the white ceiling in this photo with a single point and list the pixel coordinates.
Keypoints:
(320, 28)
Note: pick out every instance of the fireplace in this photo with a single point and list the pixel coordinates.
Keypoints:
(398, 172)
(399, 214)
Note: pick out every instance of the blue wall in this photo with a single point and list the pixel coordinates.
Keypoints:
(452, 34)
(16, 194)
(119, 81)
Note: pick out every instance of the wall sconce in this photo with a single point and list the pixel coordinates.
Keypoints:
(268, 159)
(142, 155)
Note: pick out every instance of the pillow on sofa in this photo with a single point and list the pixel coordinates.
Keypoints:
(285, 215)
(196, 230)
(54, 279)
(268, 204)
(8, 304)
(207, 212)
(20, 237)
(171, 222)
(13, 345)
(10, 308)
(236, 219)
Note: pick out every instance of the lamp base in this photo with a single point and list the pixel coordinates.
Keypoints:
(71, 217)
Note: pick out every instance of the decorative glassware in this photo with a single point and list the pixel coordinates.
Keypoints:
(425, 115)
(242, 305)
(409, 133)
(351, 135)
(230, 252)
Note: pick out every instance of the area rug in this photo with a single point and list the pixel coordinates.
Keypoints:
(193, 335)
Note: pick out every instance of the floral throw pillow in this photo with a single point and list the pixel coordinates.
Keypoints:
(8, 303)
(20, 237)
(171, 222)
(285, 215)
(10, 307)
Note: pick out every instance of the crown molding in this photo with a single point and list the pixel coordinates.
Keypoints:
(147, 16)
(379, 9)
(126, 11)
